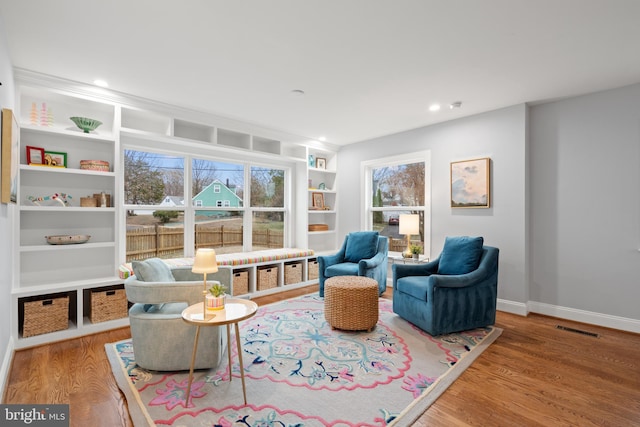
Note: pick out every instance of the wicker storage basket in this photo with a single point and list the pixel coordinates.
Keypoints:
(240, 282)
(94, 165)
(108, 304)
(318, 227)
(44, 316)
(313, 269)
(292, 272)
(88, 202)
(267, 277)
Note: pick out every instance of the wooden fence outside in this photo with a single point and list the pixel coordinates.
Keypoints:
(167, 242)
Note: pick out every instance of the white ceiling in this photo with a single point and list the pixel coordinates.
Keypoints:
(368, 67)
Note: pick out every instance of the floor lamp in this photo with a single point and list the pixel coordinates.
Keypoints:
(409, 225)
(205, 262)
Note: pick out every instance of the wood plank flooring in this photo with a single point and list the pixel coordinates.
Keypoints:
(533, 375)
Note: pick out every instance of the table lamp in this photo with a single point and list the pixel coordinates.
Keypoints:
(409, 224)
(205, 262)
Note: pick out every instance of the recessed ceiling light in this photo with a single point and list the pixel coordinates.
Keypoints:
(101, 83)
(456, 104)
(322, 138)
(297, 92)
(434, 107)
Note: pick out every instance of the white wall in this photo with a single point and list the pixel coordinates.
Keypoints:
(7, 97)
(585, 206)
(500, 135)
(565, 201)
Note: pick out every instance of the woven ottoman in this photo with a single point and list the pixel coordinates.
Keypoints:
(351, 303)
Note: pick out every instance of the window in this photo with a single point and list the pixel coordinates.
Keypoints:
(160, 223)
(395, 187)
(154, 199)
(267, 204)
(217, 184)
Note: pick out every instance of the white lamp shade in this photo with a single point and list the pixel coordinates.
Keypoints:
(205, 261)
(409, 224)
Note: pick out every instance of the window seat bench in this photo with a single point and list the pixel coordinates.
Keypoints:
(257, 272)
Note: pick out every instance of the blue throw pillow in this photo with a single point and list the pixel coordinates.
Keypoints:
(361, 245)
(152, 270)
(460, 255)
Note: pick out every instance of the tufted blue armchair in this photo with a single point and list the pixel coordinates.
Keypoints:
(455, 292)
(363, 253)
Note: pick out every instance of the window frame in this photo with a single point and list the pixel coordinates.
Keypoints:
(190, 153)
(366, 169)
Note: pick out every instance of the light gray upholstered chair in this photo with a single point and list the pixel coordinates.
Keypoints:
(162, 341)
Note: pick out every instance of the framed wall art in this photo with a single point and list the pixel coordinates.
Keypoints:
(321, 163)
(35, 155)
(55, 158)
(317, 200)
(470, 183)
(10, 153)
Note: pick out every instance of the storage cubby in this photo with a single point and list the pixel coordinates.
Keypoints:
(104, 304)
(233, 139)
(146, 121)
(194, 131)
(47, 313)
(266, 145)
(51, 111)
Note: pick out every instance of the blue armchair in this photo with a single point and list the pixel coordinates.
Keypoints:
(455, 292)
(363, 253)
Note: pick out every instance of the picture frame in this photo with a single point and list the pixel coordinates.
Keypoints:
(317, 200)
(35, 155)
(471, 183)
(321, 163)
(10, 153)
(55, 158)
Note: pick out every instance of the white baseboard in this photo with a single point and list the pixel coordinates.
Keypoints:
(605, 320)
(512, 307)
(6, 364)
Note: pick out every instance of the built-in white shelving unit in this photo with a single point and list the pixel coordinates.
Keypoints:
(45, 271)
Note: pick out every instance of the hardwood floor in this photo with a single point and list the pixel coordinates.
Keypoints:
(533, 375)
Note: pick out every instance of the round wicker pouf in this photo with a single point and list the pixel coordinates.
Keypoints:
(351, 303)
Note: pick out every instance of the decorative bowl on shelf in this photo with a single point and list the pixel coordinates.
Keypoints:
(85, 123)
(67, 239)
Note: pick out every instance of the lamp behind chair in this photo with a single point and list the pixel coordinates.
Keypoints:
(409, 224)
(205, 262)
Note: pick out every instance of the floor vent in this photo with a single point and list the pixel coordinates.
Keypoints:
(577, 331)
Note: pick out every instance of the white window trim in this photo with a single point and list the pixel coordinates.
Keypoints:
(365, 171)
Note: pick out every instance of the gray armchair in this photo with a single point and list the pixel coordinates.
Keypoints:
(455, 292)
(162, 341)
(363, 253)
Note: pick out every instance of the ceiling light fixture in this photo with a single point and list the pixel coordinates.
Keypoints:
(297, 92)
(101, 83)
(434, 107)
(456, 104)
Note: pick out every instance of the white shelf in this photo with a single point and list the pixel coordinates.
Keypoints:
(83, 247)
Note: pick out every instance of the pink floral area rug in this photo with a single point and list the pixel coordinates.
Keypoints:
(300, 372)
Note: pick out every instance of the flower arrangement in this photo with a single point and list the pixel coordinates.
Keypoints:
(416, 249)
